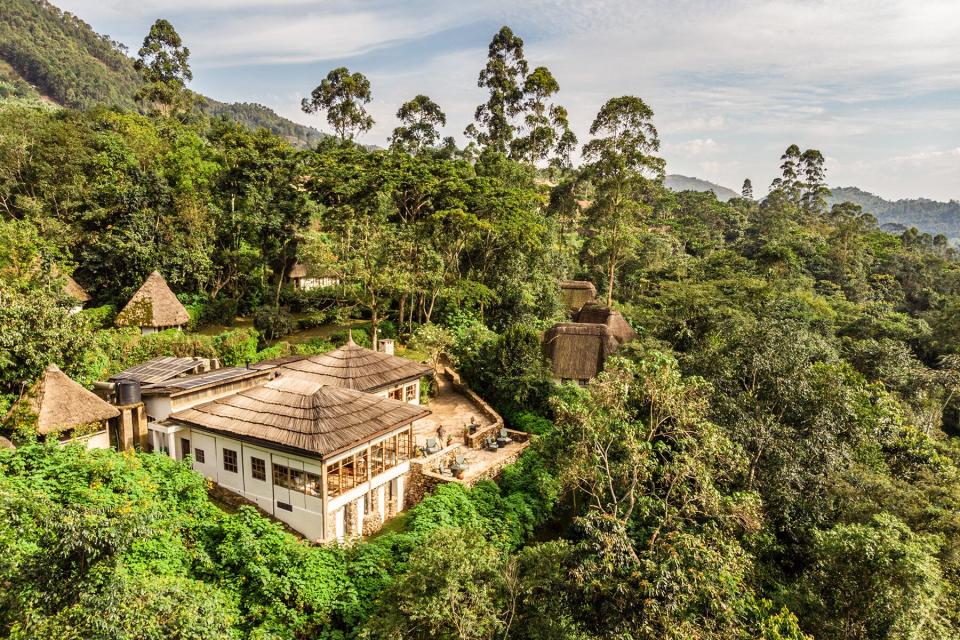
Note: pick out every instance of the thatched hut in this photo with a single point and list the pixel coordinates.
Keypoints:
(355, 367)
(618, 327)
(62, 407)
(154, 307)
(73, 290)
(318, 457)
(576, 293)
(577, 351)
(302, 277)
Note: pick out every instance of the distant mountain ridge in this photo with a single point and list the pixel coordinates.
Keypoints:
(929, 216)
(676, 182)
(52, 55)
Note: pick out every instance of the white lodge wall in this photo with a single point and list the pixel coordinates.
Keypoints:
(299, 509)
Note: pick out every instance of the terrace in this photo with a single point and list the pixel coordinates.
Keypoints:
(454, 407)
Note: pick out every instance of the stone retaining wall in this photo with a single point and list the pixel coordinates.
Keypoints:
(475, 440)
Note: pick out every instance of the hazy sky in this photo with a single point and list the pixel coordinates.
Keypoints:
(873, 84)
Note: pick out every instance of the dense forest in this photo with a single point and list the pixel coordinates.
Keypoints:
(774, 457)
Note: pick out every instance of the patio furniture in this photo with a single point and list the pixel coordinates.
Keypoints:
(504, 435)
(490, 444)
(432, 446)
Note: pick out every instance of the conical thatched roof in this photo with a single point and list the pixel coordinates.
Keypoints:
(75, 291)
(298, 270)
(70, 286)
(303, 415)
(153, 305)
(577, 351)
(355, 367)
(618, 327)
(576, 293)
(60, 403)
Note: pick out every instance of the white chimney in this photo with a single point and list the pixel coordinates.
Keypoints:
(386, 345)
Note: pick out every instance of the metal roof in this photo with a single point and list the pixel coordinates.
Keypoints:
(205, 379)
(158, 370)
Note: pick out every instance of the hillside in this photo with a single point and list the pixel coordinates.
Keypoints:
(928, 216)
(676, 182)
(49, 54)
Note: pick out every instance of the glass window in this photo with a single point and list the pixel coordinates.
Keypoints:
(361, 465)
(411, 392)
(403, 446)
(390, 452)
(333, 479)
(314, 485)
(230, 460)
(347, 476)
(199, 455)
(376, 459)
(281, 476)
(396, 394)
(258, 468)
(296, 480)
(185, 446)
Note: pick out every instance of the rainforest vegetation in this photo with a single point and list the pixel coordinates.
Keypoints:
(775, 457)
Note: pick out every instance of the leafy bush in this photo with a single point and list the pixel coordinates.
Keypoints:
(100, 317)
(360, 336)
(222, 311)
(313, 321)
(386, 329)
(236, 348)
(196, 312)
(272, 323)
(531, 423)
(279, 350)
(313, 347)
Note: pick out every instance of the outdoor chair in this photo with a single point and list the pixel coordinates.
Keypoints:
(432, 446)
(505, 436)
(491, 444)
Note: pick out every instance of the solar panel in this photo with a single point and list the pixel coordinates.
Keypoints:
(158, 370)
(210, 377)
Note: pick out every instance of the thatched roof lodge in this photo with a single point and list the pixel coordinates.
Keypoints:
(154, 307)
(309, 418)
(302, 277)
(75, 291)
(361, 369)
(61, 406)
(324, 459)
(595, 313)
(578, 350)
(576, 293)
(72, 289)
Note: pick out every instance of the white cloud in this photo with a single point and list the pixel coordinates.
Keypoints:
(862, 80)
(694, 148)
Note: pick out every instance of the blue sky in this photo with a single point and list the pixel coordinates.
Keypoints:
(873, 84)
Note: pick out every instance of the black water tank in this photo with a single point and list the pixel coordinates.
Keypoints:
(128, 392)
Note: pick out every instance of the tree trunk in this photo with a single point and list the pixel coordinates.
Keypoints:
(612, 269)
(374, 322)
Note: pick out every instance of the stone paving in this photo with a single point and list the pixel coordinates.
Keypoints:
(454, 410)
(451, 409)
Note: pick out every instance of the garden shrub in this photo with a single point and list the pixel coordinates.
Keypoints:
(101, 317)
(360, 335)
(272, 323)
(236, 348)
(312, 347)
(221, 311)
